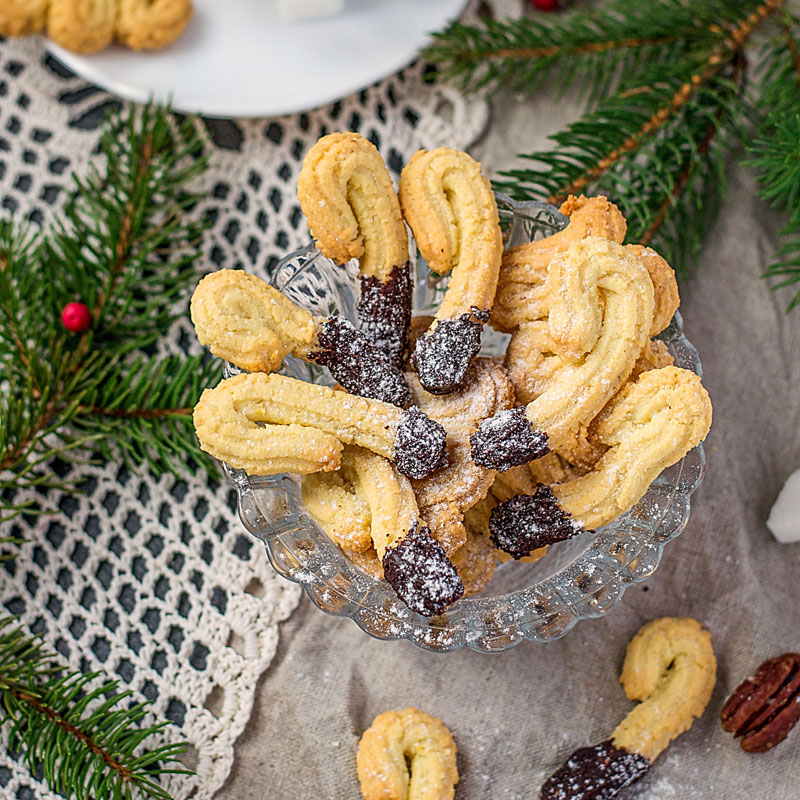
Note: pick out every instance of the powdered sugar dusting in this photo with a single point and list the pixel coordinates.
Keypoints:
(525, 522)
(507, 440)
(358, 365)
(442, 356)
(420, 446)
(595, 773)
(419, 570)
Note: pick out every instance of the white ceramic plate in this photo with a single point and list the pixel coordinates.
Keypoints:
(238, 58)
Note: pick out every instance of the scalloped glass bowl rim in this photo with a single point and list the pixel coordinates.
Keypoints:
(485, 624)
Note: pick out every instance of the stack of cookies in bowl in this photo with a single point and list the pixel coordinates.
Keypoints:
(426, 462)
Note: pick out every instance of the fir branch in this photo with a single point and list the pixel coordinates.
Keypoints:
(620, 125)
(146, 412)
(657, 146)
(82, 734)
(125, 246)
(775, 149)
(126, 229)
(596, 51)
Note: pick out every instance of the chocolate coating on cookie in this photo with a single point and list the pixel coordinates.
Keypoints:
(358, 365)
(384, 312)
(595, 773)
(525, 522)
(507, 440)
(443, 355)
(421, 445)
(419, 570)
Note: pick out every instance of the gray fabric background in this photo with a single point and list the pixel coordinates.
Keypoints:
(516, 716)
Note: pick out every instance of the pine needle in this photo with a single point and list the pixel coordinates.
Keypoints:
(775, 149)
(83, 734)
(125, 245)
(595, 50)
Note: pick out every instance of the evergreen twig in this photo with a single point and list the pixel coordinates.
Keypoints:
(125, 246)
(81, 733)
(146, 413)
(775, 149)
(667, 81)
(596, 50)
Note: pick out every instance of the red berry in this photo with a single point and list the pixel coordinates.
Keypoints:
(545, 5)
(76, 317)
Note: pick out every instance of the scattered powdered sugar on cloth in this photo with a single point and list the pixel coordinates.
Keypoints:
(152, 581)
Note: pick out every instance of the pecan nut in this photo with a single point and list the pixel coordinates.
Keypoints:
(763, 709)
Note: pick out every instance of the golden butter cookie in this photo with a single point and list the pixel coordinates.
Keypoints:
(521, 296)
(599, 319)
(352, 210)
(228, 431)
(450, 207)
(389, 497)
(531, 360)
(533, 365)
(22, 17)
(551, 468)
(665, 286)
(415, 443)
(475, 562)
(367, 561)
(337, 508)
(521, 293)
(243, 319)
(414, 564)
(444, 496)
(655, 355)
(446, 522)
(369, 494)
(670, 667)
(152, 24)
(651, 426)
(83, 26)
(407, 755)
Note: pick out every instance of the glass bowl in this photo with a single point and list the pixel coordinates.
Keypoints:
(579, 579)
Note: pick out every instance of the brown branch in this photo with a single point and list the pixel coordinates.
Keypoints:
(123, 247)
(75, 732)
(718, 58)
(135, 413)
(122, 250)
(692, 162)
(554, 50)
(679, 186)
(13, 453)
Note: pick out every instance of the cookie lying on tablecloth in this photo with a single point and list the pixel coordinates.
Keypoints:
(407, 755)
(671, 669)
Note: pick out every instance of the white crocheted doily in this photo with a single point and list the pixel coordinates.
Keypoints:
(153, 581)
